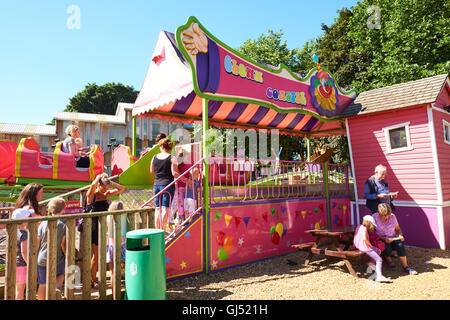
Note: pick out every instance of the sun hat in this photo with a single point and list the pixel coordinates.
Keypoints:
(370, 219)
(21, 213)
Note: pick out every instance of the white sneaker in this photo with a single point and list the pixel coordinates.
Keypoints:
(381, 278)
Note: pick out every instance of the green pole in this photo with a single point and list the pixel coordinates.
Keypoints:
(133, 146)
(308, 148)
(205, 154)
(327, 193)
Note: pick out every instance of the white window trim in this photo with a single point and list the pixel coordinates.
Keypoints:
(445, 124)
(388, 140)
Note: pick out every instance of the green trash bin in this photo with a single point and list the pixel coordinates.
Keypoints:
(145, 265)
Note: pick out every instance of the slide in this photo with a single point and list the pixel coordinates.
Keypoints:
(138, 176)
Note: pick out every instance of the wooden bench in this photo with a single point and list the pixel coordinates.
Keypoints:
(345, 255)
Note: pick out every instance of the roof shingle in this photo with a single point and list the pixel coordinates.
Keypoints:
(397, 96)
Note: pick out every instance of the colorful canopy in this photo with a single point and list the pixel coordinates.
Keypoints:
(177, 80)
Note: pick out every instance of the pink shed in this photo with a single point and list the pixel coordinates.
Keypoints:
(406, 127)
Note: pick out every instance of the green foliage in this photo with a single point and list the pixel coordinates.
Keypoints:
(413, 41)
(271, 50)
(101, 99)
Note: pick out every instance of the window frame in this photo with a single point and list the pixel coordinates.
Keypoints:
(388, 140)
(446, 124)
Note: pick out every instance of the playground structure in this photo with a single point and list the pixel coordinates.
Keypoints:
(250, 209)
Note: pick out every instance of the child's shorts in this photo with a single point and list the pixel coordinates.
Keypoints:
(42, 271)
(110, 250)
(21, 275)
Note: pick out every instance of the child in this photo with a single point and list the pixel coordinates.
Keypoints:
(362, 243)
(79, 143)
(181, 187)
(55, 207)
(115, 205)
(22, 256)
(190, 203)
(27, 205)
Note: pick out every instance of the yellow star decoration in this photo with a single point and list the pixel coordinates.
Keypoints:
(183, 264)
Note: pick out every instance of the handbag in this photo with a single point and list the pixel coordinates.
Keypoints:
(89, 208)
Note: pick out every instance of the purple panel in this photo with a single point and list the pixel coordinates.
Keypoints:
(277, 120)
(310, 124)
(296, 121)
(259, 114)
(183, 104)
(236, 112)
(213, 106)
(419, 225)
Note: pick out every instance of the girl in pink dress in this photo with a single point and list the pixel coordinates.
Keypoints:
(362, 243)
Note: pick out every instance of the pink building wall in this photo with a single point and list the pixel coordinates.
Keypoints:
(410, 172)
(443, 149)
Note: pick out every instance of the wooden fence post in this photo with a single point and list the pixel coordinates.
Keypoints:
(10, 275)
(87, 253)
(117, 257)
(70, 259)
(102, 241)
(50, 290)
(32, 261)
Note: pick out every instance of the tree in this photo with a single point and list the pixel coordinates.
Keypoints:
(101, 99)
(411, 42)
(270, 49)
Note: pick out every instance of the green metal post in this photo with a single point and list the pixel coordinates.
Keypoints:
(133, 146)
(205, 153)
(308, 148)
(327, 193)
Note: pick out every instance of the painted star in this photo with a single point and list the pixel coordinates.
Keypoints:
(183, 264)
(240, 241)
(258, 249)
(188, 234)
(214, 264)
(167, 260)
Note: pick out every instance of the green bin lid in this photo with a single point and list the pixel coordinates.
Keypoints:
(143, 233)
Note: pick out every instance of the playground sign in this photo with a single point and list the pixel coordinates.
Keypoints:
(220, 73)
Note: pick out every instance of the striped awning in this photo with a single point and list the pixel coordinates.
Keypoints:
(167, 94)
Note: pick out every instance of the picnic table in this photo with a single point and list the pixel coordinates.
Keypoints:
(334, 242)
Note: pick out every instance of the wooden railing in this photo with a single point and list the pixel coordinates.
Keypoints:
(85, 252)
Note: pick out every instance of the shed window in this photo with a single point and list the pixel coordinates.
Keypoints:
(446, 131)
(397, 138)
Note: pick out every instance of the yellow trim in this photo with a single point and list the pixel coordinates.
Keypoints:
(18, 157)
(56, 160)
(129, 155)
(92, 163)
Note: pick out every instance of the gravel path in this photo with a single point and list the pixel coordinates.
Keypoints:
(285, 278)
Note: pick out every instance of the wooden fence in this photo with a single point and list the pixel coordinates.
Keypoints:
(85, 252)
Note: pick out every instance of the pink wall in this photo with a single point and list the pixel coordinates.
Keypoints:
(446, 221)
(409, 172)
(443, 149)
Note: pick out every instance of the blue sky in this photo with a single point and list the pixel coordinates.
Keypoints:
(43, 63)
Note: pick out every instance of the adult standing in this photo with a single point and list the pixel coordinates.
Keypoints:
(165, 168)
(376, 190)
(69, 146)
(98, 193)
